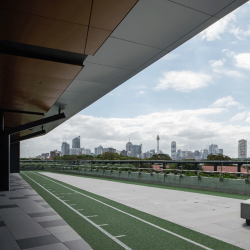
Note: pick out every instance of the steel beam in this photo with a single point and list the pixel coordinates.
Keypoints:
(26, 137)
(34, 124)
(22, 112)
(42, 53)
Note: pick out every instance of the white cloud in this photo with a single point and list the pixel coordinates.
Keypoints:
(238, 117)
(187, 127)
(215, 31)
(218, 68)
(141, 92)
(227, 102)
(170, 56)
(228, 52)
(184, 81)
(242, 60)
(217, 63)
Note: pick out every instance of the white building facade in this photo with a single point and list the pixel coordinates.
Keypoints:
(242, 149)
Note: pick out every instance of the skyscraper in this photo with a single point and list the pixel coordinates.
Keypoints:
(242, 149)
(173, 150)
(76, 142)
(65, 148)
(213, 149)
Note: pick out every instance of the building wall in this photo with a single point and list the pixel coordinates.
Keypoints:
(242, 149)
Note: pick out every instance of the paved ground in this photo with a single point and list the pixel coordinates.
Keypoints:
(28, 222)
(215, 216)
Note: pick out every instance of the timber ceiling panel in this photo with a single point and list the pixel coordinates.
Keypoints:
(62, 24)
(76, 11)
(96, 37)
(105, 16)
(28, 84)
(43, 32)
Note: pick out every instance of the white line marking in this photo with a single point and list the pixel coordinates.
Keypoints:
(133, 216)
(103, 225)
(84, 217)
(91, 216)
(120, 236)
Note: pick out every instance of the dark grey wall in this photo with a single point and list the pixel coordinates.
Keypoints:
(15, 157)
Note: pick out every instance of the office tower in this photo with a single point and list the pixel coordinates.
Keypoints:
(173, 150)
(76, 142)
(242, 149)
(99, 150)
(65, 148)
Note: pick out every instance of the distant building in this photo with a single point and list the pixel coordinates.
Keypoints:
(173, 150)
(242, 149)
(65, 148)
(124, 153)
(45, 156)
(109, 150)
(178, 155)
(152, 151)
(85, 151)
(213, 149)
(190, 155)
(55, 153)
(184, 154)
(220, 151)
(205, 154)
(76, 142)
(129, 146)
(99, 150)
(75, 151)
(134, 150)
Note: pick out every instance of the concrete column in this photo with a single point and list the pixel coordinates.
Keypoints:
(239, 167)
(4, 156)
(15, 157)
(215, 166)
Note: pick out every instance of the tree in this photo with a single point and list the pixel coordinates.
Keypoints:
(161, 157)
(218, 157)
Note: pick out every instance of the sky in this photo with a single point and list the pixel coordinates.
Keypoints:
(196, 95)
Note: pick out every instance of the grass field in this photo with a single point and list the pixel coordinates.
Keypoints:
(106, 224)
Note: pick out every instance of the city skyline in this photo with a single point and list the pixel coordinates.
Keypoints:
(195, 95)
(137, 150)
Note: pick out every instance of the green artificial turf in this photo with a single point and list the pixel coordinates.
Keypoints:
(139, 235)
(227, 195)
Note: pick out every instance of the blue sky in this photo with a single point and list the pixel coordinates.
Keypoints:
(196, 95)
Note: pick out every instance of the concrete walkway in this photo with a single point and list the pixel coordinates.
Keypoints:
(28, 222)
(215, 216)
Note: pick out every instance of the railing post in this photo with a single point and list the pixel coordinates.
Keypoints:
(164, 165)
(215, 166)
(239, 168)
